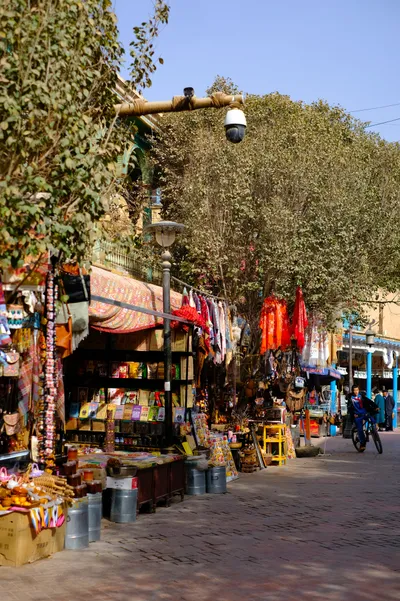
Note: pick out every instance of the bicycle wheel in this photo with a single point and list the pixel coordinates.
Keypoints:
(356, 440)
(377, 440)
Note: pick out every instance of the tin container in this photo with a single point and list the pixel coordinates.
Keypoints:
(123, 505)
(195, 480)
(216, 480)
(77, 531)
(95, 506)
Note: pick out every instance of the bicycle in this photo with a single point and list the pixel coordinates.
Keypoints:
(370, 428)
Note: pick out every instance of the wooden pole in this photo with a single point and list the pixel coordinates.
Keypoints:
(308, 426)
(141, 107)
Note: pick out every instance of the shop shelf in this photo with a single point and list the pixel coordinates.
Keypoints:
(14, 455)
(107, 382)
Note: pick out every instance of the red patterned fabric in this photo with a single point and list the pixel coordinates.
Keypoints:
(189, 313)
(206, 317)
(300, 321)
(109, 318)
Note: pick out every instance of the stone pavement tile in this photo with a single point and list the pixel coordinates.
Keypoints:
(289, 533)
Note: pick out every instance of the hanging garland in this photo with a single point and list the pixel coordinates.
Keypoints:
(47, 423)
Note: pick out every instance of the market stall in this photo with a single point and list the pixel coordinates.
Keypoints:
(82, 395)
(33, 513)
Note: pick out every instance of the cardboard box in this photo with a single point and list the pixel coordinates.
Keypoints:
(189, 395)
(72, 424)
(122, 483)
(98, 426)
(156, 340)
(135, 341)
(184, 361)
(179, 341)
(20, 545)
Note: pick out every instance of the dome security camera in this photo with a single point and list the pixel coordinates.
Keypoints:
(235, 125)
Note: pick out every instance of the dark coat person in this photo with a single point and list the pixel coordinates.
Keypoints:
(389, 407)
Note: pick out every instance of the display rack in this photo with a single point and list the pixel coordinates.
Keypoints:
(280, 440)
(111, 350)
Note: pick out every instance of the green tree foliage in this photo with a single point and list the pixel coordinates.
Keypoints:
(308, 198)
(59, 135)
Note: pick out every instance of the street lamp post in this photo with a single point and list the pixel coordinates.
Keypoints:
(165, 233)
(395, 378)
(370, 339)
(351, 357)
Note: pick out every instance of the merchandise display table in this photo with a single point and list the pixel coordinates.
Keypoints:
(275, 434)
(160, 477)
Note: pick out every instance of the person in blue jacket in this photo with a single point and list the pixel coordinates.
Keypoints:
(359, 405)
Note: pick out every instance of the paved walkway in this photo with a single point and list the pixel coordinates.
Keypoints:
(319, 529)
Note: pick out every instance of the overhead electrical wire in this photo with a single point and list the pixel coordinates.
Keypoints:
(375, 108)
(383, 122)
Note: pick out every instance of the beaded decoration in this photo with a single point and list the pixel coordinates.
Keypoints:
(47, 423)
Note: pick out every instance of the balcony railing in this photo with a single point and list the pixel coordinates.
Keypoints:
(112, 256)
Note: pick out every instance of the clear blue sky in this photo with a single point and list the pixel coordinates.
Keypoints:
(343, 51)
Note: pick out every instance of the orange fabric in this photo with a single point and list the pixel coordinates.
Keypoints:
(274, 324)
(64, 338)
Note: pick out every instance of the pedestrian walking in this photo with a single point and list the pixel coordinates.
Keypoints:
(381, 416)
(389, 407)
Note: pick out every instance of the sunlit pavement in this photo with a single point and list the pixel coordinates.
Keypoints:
(326, 528)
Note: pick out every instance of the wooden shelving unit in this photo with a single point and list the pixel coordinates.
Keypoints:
(279, 440)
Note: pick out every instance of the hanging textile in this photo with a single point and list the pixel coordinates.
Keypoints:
(217, 335)
(222, 325)
(212, 320)
(299, 319)
(190, 314)
(316, 349)
(274, 324)
(196, 301)
(206, 316)
(202, 353)
(117, 320)
(5, 338)
(36, 366)
(191, 300)
(335, 345)
(25, 382)
(185, 298)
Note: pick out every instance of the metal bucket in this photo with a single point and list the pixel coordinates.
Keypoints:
(216, 480)
(77, 531)
(195, 480)
(95, 513)
(123, 505)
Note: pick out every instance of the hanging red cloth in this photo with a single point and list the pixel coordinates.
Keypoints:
(206, 316)
(190, 314)
(300, 321)
(274, 324)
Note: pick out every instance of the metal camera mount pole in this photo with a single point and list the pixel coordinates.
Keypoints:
(178, 104)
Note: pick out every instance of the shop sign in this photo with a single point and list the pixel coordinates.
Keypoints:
(361, 375)
(320, 371)
(387, 375)
(342, 370)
